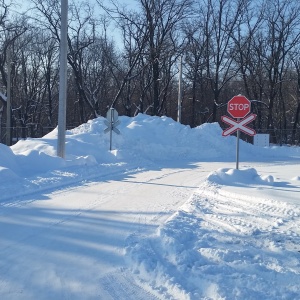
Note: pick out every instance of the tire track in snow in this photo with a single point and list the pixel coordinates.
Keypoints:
(228, 236)
(247, 214)
(123, 286)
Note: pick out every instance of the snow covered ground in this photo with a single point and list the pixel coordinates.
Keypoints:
(165, 215)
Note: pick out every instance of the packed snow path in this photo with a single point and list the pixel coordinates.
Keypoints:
(192, 231)
(69, 244)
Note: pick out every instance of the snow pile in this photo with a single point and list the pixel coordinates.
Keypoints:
(247, 177)
(222, 245)
(143, 140)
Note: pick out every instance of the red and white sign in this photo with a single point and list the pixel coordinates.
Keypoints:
(239, 106)
(238, 125)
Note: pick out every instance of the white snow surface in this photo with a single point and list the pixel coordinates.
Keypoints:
(164, 215)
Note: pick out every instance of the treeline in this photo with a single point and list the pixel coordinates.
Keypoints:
(127, 57)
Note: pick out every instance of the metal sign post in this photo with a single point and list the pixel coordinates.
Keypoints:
(237, 148)
(110, 132)
(8, 100)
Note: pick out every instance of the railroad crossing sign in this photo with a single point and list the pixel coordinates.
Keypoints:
(239, 106)
(112, 122)
(238, 125)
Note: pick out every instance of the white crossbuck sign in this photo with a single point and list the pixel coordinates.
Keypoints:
(238, 125)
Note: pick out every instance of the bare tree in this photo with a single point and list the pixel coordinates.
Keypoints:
(220, 21)
(248, 58)
(81, 35)
(295, 94)
(282, 34)
(149, 36)
(131, 65)
(195, 64)
(48, 52)
(162, 18)
(11, 27)
(134, 36)
(97, 72)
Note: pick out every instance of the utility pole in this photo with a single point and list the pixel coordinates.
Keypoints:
(8, 99)
(179, 91)
(61, 138)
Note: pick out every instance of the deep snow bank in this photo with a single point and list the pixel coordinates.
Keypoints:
(143, 140)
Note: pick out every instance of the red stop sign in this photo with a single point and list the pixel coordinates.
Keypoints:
(239, 106)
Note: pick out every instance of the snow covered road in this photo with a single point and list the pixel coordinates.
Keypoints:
(80, 242)
(69, 244)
